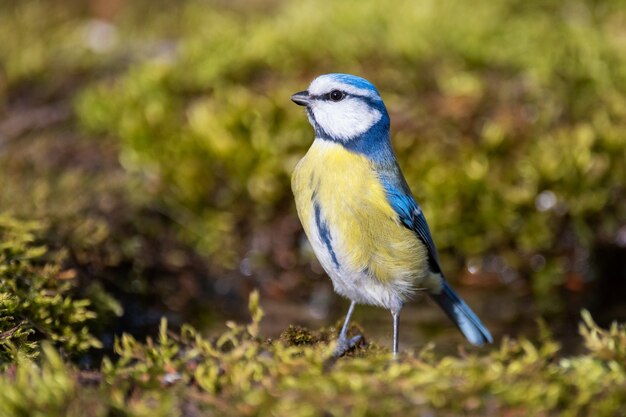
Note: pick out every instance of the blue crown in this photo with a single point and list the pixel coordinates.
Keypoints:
(354, 81)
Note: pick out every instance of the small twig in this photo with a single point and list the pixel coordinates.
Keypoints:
(6, 334)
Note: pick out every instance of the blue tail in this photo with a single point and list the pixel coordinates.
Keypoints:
(468, 323)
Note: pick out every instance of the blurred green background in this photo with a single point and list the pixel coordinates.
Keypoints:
(152, 143)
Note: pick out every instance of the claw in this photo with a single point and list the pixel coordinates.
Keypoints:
(344, 345)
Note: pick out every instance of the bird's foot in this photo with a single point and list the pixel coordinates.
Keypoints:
(344, 345)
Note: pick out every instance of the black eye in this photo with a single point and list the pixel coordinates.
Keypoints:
(336, 95)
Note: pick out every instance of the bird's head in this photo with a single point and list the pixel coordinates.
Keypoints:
(343, 107)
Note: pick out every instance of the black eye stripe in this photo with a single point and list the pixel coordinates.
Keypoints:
(373, 102)
(327, 96)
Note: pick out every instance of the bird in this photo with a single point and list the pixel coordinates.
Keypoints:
(364, 225)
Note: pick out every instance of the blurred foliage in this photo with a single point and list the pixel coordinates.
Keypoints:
(239, 374)
(35, 297)
(507, 118)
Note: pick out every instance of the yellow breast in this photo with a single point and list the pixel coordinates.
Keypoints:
(364, 229)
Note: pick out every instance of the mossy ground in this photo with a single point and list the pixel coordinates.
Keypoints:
(240, 373)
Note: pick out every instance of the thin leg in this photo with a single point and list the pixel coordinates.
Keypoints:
(346, 323)
(396, 331)
(343, 343)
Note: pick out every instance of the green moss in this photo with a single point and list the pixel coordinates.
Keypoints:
(35, 297)
(240, 374)
(299, 336)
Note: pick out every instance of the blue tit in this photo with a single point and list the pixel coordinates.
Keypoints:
(359, 215)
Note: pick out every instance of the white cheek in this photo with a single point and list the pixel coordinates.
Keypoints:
(346, 119)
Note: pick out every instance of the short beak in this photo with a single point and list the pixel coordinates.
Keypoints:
(302, 98)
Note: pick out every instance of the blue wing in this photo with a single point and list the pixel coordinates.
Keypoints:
(409, 212)
(411, 216)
